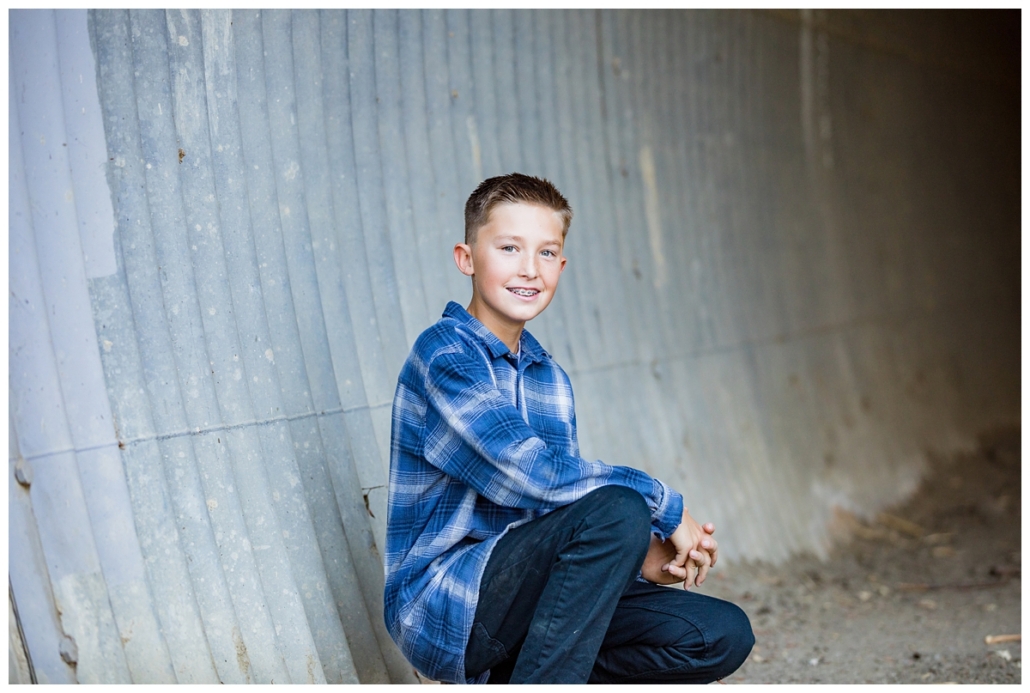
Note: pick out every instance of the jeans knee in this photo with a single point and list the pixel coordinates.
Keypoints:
(735, 641)
(725, 644)
(626, 508)
(619, 517)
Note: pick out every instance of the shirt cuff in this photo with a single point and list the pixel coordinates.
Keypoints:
(669, 513)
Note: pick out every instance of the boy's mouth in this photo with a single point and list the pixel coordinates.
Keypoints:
(526, 293)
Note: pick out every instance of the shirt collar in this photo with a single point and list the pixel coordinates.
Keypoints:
(529, 348)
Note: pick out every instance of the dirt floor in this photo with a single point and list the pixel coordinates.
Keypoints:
(910, 598)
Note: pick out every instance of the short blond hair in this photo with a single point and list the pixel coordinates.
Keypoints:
(512, 188)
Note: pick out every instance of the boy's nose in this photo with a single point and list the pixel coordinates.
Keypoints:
(529, 267)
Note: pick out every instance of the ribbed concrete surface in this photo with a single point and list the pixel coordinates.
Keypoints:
(793, 270)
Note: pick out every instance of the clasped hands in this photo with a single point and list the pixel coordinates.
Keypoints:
(685, 556)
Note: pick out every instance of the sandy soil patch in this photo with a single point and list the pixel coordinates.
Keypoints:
(910, 598)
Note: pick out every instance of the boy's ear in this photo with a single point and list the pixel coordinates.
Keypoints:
(562, 266)
(463, 258)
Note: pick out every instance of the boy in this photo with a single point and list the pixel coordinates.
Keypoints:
(508, 556)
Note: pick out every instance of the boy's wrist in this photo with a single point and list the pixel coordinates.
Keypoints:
(669, 513)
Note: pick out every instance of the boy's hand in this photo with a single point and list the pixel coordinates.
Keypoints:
(659, 554)
(695, 551)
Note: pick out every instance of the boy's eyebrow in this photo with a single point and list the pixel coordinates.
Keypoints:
(520, 239)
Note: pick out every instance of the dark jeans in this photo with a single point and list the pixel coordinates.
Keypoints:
(559, 603)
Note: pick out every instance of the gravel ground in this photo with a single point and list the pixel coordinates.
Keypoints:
(908, 598)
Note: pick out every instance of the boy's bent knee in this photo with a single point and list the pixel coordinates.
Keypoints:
(620, 501)
(622, 516)
(664, 635)
(734, 643)
(624, 506)
(714, 650)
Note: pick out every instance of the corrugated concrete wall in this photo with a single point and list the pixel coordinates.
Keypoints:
(793, 270)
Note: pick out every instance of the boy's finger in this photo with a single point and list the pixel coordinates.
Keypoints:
(678, 571)
(681, 555)
(702, 572)
(708, 527)
(703, 562)
(712, 547)
(692, 576)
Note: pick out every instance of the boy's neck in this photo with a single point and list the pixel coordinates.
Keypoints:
(509, 333)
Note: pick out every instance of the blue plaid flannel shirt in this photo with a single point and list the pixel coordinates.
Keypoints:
(482, 441)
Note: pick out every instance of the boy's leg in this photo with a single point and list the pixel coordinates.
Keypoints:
(551, 586)
(668, 635)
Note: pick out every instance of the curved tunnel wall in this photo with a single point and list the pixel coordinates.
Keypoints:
(793, 271)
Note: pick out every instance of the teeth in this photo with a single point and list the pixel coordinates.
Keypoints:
(524, 292)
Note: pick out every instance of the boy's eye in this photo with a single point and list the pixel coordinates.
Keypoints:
(548, 253)
(508, 248)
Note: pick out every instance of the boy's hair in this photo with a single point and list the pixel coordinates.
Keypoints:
(511, 188)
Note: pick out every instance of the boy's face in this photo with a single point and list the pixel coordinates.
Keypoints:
(514, 263)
